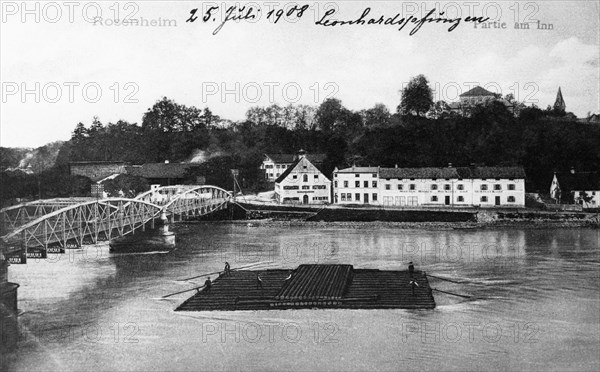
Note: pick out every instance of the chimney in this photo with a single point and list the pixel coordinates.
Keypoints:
(396, 166)
(166, 162)
(449, 165)
(572, 170)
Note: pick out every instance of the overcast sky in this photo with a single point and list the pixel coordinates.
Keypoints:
(134, 66)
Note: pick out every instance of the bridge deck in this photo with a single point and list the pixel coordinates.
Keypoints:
(360, 289)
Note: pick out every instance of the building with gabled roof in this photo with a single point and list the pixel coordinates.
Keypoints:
(583, 187)
(303, 183)
(275, 164)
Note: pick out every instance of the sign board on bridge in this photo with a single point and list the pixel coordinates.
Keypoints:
(97, 190)
(16, 257)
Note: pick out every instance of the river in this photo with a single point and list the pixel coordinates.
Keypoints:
(535, 303)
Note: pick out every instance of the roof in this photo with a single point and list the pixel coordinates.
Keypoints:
(477, 92)
(291, 168)
(161, 170)
(290, 158)
(316, 158)
(579, 181)
(359, 170)
(281, 158)
(456, 173)
(560, 102)
(287, 171)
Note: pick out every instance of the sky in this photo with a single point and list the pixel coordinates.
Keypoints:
(63, 62)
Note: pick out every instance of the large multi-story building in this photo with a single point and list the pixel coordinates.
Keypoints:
(431, 187)
(275, 164)
(303, 182)
(356, 185)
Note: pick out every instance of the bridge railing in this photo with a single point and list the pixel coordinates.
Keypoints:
(68, 225)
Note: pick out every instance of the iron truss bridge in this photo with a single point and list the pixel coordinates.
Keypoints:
(56, 224)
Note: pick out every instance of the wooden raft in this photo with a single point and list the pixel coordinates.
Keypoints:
(314, 286)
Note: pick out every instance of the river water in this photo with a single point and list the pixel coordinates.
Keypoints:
(535, 303)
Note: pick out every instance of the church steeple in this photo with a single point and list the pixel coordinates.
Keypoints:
(559, 104)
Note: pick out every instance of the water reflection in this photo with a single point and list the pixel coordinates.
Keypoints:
(534, 303)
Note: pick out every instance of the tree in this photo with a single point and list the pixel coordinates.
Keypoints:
(378, 116)
(417, 97)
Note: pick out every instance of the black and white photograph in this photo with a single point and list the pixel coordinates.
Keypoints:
(299, 186)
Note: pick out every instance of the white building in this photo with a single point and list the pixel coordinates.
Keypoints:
(302, 182)
(431, 187)
(275, 164)
(584, 187)
(356, 185)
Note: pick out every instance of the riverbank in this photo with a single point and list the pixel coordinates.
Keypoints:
(371, 225)
(428, 218)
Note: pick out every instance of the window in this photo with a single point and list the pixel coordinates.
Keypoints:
(305, 167)
(366, 183)
(295, 177)
(357, 184)
(348, 196)
(388, 186)
(305, 178)
(335, 175)
(497, 187)
(460, 199)
(447, 186)
(484, 199)
(356, 175)
(335, 184)
(318, 187)
(374, 174)
(290, 187)
(374, 197)
(460, 186)
(306, 187)
(510, 199)
(434, 187)
(483, 187)
(343, 196)
(413, 186)
(400, 187)
(434, 198)
(345, 183)
(316, 177)
(511, 186)
(374, 183)
(357, 197)
(277, 174)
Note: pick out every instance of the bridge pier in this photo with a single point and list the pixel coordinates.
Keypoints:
(9, 330)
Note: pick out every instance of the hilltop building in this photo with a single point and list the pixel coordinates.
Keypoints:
(559, 104)
(431, 187)
(303, 182)
(477, 96)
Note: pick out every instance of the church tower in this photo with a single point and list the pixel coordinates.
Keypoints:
(559, 104)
